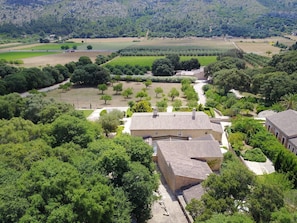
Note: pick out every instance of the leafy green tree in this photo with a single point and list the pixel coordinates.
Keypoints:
(235, 218)
(102, 87)
(173, 93)
(52, 111)
(141, 94)
(177, 104)
(158, 90)
(232, 79)
(34, 104)
(139, 185)
(162, 105)
(54, 73)
(115, 162)
(127, 92)
(289, 101)
(227, 192)
(118, 88)
(174, 59)
(84, 60)
(63, 70)
(162, 67)
(123, 207)
(106, 98)
(283, 216)
(18, 130)
(15, 83)
(137, 149)
(111, 121)
(142, 106)
(90, 74)
(191, 64)
(275, 86)
(68, 128)
(148, 83)
(89, 47)
(264, 200)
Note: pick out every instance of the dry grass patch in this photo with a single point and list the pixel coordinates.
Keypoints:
(61, 58)
(261, 46)
(87, 98)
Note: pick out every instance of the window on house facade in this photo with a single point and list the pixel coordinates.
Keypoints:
(283, 140)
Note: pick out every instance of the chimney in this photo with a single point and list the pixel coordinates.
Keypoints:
(155, 113)
(193, 113)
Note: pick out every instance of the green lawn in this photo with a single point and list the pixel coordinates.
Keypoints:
(87, 112)
(22, 55)
(148, 60)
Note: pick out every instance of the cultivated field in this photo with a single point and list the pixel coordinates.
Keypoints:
(261, 46)
(105, 46)
(90, 97)
(21, 55)
(61, 58)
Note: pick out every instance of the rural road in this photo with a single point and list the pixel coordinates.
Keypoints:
(46, 89)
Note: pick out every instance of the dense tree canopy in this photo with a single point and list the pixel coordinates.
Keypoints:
(237, 193)
(61, 169)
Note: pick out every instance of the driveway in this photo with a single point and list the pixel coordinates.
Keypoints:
(167, 209)
(198, 88)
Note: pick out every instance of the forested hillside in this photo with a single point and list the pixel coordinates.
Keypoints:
(176, 18)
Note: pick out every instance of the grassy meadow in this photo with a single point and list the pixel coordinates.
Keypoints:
(22, 55)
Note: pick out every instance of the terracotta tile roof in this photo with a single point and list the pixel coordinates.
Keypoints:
(285, 121)
(169, 121)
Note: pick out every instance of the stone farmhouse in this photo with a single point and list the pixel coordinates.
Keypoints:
(186, 163)
(186, 143)
(284, 126)
(174, 124)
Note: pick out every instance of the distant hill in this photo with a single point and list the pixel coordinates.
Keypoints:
(170, 18)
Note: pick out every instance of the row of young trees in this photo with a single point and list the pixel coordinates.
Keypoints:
(61, 168)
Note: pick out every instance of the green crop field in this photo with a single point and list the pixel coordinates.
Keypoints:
(137, 60)
(203, 60)
(148, 60)
(22, 55)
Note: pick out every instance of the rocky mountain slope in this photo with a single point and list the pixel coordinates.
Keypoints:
(174, 18)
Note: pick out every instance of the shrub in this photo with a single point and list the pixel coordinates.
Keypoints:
(254, 155)
(103, 112)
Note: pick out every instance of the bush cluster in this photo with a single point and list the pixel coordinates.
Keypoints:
(127, 69)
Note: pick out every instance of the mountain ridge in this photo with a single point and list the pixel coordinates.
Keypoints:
(175, 18)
